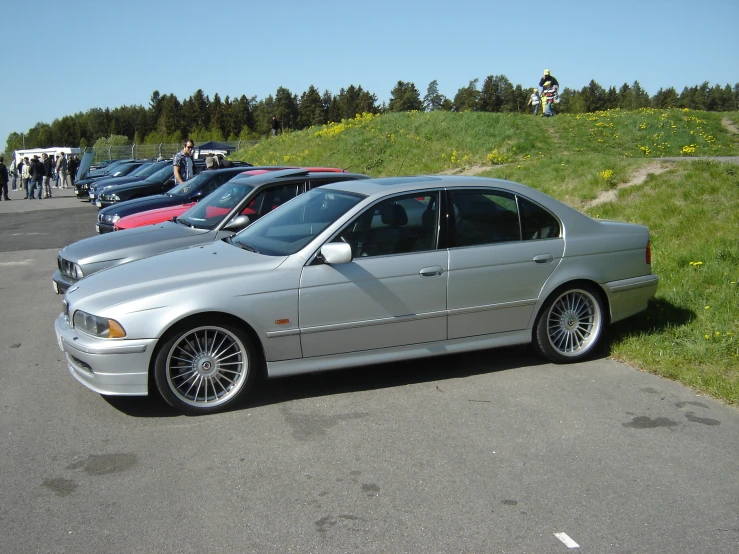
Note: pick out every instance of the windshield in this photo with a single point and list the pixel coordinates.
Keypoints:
(139, 169)
(188, 186)
(146, 170)
(285, 231)
(163, 174)
(211, 210)
(111, 168)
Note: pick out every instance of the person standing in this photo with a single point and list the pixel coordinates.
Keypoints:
(275, 126)
(3, 180)
(56, 172)
(26, 175)
(47, 175)
(183, 167)
(72, 165)
(548, 77)
(37, 178)
(61, 169)
(14, 173)
(549, 94)
(534, 100)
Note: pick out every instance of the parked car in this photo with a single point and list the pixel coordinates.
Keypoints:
(82, 184)
(141, 172)
(227, 210)
(168, 213)
(185, 195)
(148, 187)
(356, 273)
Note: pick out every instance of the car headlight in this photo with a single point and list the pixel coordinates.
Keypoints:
(98, 326)
(114, 198)
(76, 271)
(112, 219)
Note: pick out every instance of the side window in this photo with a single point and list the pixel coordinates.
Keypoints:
(270, 199)
(398, 225)
(537, 223)
(484, 217)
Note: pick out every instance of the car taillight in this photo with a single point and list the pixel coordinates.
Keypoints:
(649, 252)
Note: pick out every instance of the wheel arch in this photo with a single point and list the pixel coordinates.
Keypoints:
(204, 317)
(590, 284)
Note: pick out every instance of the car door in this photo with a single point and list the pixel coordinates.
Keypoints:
(504, 248)
(392, 293)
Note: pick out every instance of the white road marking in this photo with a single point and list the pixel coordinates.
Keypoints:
(569, 543)
(21, 262)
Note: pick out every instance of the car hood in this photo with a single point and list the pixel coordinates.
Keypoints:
(112, 181)
(122, 246)
(113, 187)
(151, 216)
(128, 207)
(154, 282)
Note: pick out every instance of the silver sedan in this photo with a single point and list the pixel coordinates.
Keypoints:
(357, 273)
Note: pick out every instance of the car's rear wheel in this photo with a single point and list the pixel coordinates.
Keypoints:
(205, 368)
(570, 324)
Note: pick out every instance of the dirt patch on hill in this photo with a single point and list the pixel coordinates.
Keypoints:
(638, 177)
(471, 170)
(729, 125)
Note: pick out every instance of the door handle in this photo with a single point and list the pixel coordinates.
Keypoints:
(433, 271)
(543, 258)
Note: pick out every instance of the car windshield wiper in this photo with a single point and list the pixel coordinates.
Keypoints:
(244, 246)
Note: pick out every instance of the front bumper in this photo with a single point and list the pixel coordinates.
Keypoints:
(61, 282)
(104, 227)
(116, 367)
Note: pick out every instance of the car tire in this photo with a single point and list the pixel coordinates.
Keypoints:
(205, 367)
(570, 324)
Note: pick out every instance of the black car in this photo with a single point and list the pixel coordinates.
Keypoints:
(119, 168)
(159, 183)
(185, 193)
(142, 172)
(161, 180)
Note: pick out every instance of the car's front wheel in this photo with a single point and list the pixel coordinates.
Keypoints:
(205, 368)
(570, 325)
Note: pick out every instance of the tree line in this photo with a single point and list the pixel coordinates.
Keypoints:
(168, 120)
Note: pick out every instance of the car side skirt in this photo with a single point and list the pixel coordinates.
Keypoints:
(395, 354)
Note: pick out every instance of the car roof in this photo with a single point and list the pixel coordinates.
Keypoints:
(398, 185)
(253, 177)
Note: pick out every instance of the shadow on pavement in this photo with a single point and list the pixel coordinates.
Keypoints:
(314, 385)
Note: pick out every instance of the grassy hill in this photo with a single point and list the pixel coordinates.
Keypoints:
(609, 165)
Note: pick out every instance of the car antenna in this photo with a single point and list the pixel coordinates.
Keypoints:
(401, 167)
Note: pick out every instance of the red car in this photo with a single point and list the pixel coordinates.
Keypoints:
(159, 215)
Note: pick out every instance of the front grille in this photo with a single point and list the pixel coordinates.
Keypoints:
(101, 217)
(65, 266)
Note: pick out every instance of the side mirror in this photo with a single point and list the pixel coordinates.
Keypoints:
(336, 253)
(237, 223)
(196, 197)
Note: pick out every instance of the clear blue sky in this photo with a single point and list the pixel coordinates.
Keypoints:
(86, 54)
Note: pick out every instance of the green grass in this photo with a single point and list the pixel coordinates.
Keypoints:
(691, 330)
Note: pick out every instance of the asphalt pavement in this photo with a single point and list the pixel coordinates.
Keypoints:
(493, 451)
